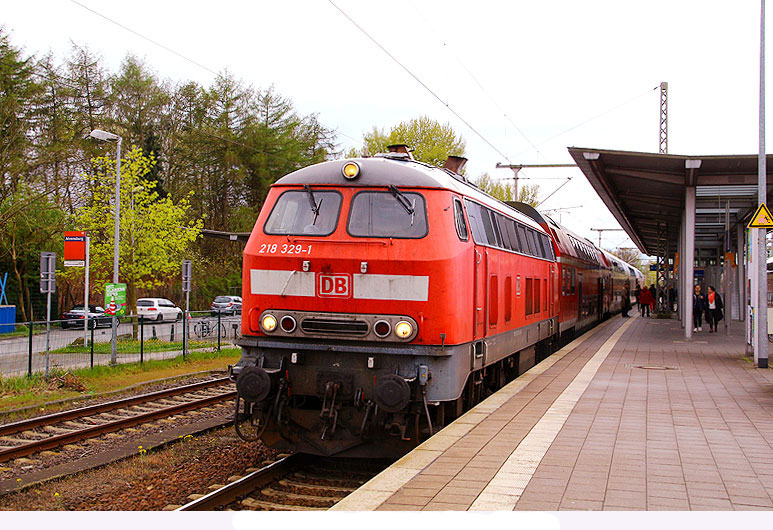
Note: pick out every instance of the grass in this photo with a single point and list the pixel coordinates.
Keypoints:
(133, 346)
(23, 391)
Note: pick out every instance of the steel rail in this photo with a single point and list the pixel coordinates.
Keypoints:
(246, 485)
(97, 430)
(50, 419)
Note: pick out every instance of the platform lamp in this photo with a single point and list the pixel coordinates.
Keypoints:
(110, 137)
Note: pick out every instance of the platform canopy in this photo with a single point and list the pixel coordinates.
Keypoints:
(646, 192)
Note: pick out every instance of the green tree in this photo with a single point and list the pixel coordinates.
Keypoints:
(155, 233)
(502, 190)
(432, 142)
(18, 90)
(529, 193)
(499, 189)
(29, 223)
(630, 255)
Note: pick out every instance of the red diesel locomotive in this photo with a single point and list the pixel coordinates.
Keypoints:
(382, 297)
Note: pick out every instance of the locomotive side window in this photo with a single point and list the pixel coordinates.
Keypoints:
(384, 214)
(461, 226)
(512, 232)
(308, 212)
(476, 223)
(522, 237)
(538, 251)
(502, 223)
(488, 227)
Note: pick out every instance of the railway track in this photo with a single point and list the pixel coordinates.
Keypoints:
(296, 482)
(30, 436)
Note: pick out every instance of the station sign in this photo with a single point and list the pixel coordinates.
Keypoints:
(75, 249)
(115, 299)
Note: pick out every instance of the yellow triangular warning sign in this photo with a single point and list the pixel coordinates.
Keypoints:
(762, 218)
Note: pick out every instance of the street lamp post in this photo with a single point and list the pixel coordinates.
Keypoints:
(110, 137)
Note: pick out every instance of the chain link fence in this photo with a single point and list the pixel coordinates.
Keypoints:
(32, 347)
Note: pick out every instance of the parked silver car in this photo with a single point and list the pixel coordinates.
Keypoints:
(228, 305)
(158, 309)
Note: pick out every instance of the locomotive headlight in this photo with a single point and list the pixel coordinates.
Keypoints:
(268, 323)
(403, 329)
(351, 170)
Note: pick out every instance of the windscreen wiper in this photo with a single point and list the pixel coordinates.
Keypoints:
(403, 200)
(312, 203)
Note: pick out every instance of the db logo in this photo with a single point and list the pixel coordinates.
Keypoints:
(333, 285)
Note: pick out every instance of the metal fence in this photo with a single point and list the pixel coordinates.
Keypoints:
(29, 348)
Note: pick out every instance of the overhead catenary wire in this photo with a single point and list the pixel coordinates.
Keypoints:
(472, 76)
(162, 46)
(418, 80)
(156, 43)
(597, 116)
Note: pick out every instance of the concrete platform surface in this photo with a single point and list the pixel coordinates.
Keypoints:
(629, 416)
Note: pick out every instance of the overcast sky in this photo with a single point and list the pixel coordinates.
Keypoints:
(530, 77)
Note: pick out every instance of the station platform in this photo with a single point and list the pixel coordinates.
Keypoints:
(628, 416)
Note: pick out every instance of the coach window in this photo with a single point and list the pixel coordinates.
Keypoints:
(461, 226)
(574, 280)
(394, 214)
(517, 286)
(306, 212)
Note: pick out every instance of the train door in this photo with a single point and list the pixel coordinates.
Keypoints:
(481, 292)
(579, 297)
(551, 294)
(600, 298)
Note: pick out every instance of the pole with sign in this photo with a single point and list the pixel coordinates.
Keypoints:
(48, 286)
(187, 273)
(115, 305)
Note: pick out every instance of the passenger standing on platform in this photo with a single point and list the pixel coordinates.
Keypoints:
(645, 301)
(625, 303)
(713, 309)
(671, 295)
(698, 307)
(654, 293)
(637, 294)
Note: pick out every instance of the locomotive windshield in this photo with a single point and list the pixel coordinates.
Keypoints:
(394, 214)
(304, 213)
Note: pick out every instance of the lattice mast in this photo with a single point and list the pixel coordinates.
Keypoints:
(664, 118)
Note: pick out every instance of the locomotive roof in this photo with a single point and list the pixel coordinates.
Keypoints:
(382, 171)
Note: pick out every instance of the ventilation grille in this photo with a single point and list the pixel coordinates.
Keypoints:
(326, 326)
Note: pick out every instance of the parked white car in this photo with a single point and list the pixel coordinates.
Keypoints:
(158, 309)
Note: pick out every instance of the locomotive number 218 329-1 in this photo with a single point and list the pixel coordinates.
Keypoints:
(284, 248)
